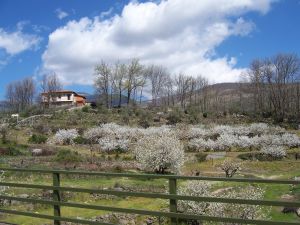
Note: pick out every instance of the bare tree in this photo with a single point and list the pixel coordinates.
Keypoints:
(102, 82)
(50, 84)
(157, 75)
(20, 94)
(274, 82)
(134, 72)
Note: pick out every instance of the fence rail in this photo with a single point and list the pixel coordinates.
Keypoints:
(172, 196)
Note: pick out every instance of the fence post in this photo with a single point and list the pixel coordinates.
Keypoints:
(173, 202)
(56, 197)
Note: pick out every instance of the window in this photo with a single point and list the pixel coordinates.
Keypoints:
(69, 96)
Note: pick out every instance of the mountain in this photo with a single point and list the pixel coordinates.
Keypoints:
(94, 99)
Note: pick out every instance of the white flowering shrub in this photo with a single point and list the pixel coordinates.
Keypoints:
(274, 152)
(290, 140)
(2, 188)
(242, 211)
(194, 188)
(111, 143)
(64, 137)
(160, 153)
(93, 134)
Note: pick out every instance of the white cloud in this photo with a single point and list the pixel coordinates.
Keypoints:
(61, 14)
(107, 13)
(16, 42)
(180, 34)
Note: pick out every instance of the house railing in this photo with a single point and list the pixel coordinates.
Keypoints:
(172, 196)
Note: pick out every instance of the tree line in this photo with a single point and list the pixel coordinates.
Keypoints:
(23, 94)
(134, 80)
(269, 88)
(274, 83)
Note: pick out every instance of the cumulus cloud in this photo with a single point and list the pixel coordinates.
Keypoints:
(61, 14)
(182, 35)
(16, 42)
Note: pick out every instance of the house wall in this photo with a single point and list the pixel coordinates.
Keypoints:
(80, 101)
(61, 98)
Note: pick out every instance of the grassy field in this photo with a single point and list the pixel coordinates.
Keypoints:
(283, 169)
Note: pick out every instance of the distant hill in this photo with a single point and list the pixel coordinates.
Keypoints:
(94, 98)
(3, 105)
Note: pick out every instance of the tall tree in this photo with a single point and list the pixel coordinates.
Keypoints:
(20, 94)
(102, 82)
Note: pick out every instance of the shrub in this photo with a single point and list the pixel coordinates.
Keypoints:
(201, 157)
(80, 140)
(85, 109)
(205, 114)
(112, 143)
(13, 151)
(160, 154)
(3, 132)
(64, 137)
(274, 152)
(2, 188)
(241, 211)
(68, 156)
(37, 139)
(174, 117)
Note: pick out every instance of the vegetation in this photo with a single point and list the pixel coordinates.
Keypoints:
(188, 128)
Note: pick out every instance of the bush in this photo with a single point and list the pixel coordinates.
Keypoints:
(68, 156)
(13, 151)
(274, 152)
(80, 140)
(174, 117)
(37, 139)
(160, 153)
(64, 137)
(205, 114)
(201, 157)
(85, 109)
(144, 119)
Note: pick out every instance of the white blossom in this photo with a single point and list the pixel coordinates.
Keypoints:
(194, 188)
(64, 137)
(273, 151)
(111, 143)
(205, 189)
(160, 153)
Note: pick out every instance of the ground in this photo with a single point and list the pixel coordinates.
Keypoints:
(123, 162)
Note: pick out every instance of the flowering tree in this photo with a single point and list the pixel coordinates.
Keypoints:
(274, 152)
(2, 188)
(160, 153)
(64, 137)
(230, 168)
(205, 189)
(241, 211)
(111, 143)
(194, 188)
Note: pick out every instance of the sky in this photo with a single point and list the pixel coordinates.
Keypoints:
(217, 39)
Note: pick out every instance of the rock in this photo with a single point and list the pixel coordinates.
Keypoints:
(36, 152)
(287, 197)
(150, 221)
(217, 155)
(298, 212)
(289, 210)
(118, 189)
(23, 196)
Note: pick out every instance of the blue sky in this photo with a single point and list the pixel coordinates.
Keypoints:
(69, 37)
